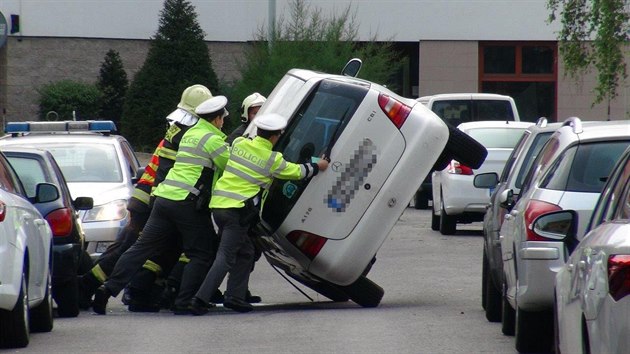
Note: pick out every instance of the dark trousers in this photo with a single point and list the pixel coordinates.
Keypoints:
(127, 237)
(171, 224)
(235, 255)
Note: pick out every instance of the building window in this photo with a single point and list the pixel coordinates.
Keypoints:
(527, 71)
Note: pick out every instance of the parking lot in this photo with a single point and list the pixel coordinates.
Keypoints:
(432, 304)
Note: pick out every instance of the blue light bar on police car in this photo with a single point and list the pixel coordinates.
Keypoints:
(96, 126)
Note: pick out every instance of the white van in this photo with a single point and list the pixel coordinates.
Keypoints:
(325, 232)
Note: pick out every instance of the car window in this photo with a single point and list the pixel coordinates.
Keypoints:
(492, 110)
(540, 162)
(496, 137)
(539, 141)
(454, 112)
(611, 196)
(584, 168)
(81, 162)
(31, 172)
(513, 155)
(130, 157)
(8, 178)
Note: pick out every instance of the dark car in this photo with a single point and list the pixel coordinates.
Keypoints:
(35, 166)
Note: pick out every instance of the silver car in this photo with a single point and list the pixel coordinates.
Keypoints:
(455, 198)
(512, 176)
(95, 162)
(592, 288)
(569, 173)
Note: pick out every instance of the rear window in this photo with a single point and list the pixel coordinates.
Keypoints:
(496, 137)
(585, 167)
(87, 162)
(311, 132)
(462, 111)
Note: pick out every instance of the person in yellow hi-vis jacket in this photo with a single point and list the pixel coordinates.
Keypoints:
(180, 213)
(252, 166)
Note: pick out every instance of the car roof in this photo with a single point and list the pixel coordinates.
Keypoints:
(25, 150)
(463, 96)
(576, 129)
(494, 124)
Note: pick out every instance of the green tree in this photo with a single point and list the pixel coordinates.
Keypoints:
(113, 83)
(309, 40)
(67, 99)
(178, 57)
(594, 33)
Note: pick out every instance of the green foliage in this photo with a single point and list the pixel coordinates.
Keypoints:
(178, 57)
(595, 33)
(309, 40)
(65, 96)
(113, 83)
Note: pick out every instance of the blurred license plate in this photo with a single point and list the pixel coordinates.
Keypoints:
(102, 246)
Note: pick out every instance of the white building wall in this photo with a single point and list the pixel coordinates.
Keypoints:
(240, 20)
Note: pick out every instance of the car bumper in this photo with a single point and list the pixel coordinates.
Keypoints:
(539, 262)
(65, 262)
(460, 196)
(100, 234)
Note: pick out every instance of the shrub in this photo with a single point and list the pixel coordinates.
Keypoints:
(65, 97)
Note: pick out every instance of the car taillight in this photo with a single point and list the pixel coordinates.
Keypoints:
(534, 209)
(60, 222)
(3, 211)
(394, 109)
(619, 276)
(310, 244)
(457, 168)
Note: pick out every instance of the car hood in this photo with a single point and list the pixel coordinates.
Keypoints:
(102, 193)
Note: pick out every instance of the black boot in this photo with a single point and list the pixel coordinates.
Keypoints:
(217, 297)
(252, 299)
(198, 307)
(101, 296)
(87, 285)
(236, 304)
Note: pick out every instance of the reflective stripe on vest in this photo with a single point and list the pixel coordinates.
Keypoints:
(181, 185)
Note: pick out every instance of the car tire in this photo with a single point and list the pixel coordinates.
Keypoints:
(556, 325)
(463, 148)
(448, 223)
(364, 292)
(42, 315)
(443, 160)
(532, 332)
(67, 297)
(85, 263)
(484, 279)
(14, 324)
(435, 220)
(329, 290)
(507, 314)
(493, 301)
(421, 200)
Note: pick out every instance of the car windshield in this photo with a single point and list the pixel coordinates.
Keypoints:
(31, 172)
(462, 111)
(496, 138)
(81, 162)
(532, 153)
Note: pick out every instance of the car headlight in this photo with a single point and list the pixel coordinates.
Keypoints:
(114, 210)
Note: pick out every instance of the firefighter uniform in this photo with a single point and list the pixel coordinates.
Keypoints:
(252, 166)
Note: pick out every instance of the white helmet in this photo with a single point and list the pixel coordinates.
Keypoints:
(270, 121)
(253, 100)
(212, 105)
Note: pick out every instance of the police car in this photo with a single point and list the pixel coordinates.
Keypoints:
(325, 232)
(95, 162)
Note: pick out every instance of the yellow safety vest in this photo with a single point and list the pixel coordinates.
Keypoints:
(201, 157)
(252, 166)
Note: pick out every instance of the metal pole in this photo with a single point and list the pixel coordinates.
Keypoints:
(271, 27)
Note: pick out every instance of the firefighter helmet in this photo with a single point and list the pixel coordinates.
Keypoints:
(253, 100)
(193, 96)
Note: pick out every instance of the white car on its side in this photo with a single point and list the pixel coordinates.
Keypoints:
(592, 302)
(455, 198)
(25, 260)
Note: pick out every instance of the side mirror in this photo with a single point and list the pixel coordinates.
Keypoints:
(556, 225)
(46, 192)
(139, 173)
(486, 180)
(506, 199)
(83, 203)
(352, 67)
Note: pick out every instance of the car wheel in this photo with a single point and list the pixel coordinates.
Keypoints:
(42, 314)
(66, 295)
(327, 289)
(447, 222)
(464, 149)
(493, 301)
(533, 331)
(484, 279)
(507, 314)
(443, 160)
(421, 200)
(556, 325)
(14, 326)
(364, 292)
(85, 263)
(435, 220)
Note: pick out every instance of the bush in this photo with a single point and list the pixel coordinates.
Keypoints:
(65, 97)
